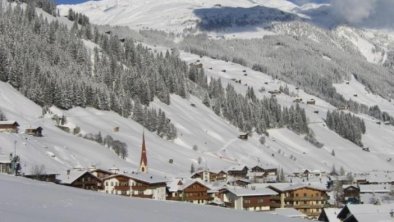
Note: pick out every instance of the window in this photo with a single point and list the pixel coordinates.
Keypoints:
(304, 194)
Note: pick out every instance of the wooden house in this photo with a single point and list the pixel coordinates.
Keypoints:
(193, 191)
(311, 102)
(247, 199)
(243, 136)
(80, 179)
(9, 127)
(351, 194)
(139, 185)
(34, 132)
(210, 175)
(117, 184)
(238, 171)
(145, 185)
(5, 164)
(307, 199)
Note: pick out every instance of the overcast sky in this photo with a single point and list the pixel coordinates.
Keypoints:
(69, 1)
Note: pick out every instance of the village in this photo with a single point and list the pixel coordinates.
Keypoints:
(309, 194)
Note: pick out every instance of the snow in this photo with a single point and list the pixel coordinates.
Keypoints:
(170, 15)
(366, 48)
(28, 200)
(363, 95)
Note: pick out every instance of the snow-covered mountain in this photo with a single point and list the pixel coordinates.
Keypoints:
(204, 138)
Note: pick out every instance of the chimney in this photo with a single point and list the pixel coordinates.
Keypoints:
(68, 174)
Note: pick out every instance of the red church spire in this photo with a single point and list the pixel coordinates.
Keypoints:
(144, 158)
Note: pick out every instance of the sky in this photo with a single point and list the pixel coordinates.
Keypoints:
(69, 1)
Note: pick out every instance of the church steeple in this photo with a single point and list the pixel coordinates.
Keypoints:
(144, 158)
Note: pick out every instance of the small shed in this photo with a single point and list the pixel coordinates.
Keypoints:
(9, 126)
(311, 102)
(243, 136)
(34, 132)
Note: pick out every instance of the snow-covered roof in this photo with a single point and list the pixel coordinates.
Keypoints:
(148, 178)
(5, 159)
(69, 178)
(181, 184)
(375, 188)
(244, 192)
(288, 187)
(371, 212)
(289, 212)
(9, 122)
(332, 214)
(236, 168)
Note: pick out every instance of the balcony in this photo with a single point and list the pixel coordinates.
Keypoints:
(122, 188)
(150, 196)
(305, 198)
(308, 206)
(140, 187)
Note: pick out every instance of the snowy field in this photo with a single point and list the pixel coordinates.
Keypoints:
(27, 200)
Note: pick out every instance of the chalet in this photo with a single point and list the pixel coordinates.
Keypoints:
(136, 185)
(210, 175)
(366, 212)
(9, 127)
(117, 184)
(116, 129)
(193, 191)
(261, 175)
(243, 136)
(5, 164)
(307, 199)
(80, 179)
(145, 185)
(34, 132)
(238, 171)
(247, 199)
(329, 215)
(311, 102)
(99, 173)
(351, 194)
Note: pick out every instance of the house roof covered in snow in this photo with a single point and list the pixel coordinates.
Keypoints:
(368, 212)
(148, 178)
(181, 184)
(283, 187)
(237, 168)
(245, 192)
(73, 175)
(10, 122)
(375, 188)
(5, 159)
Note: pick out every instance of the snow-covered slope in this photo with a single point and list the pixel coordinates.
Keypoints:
(27, 200)
(169, 15)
